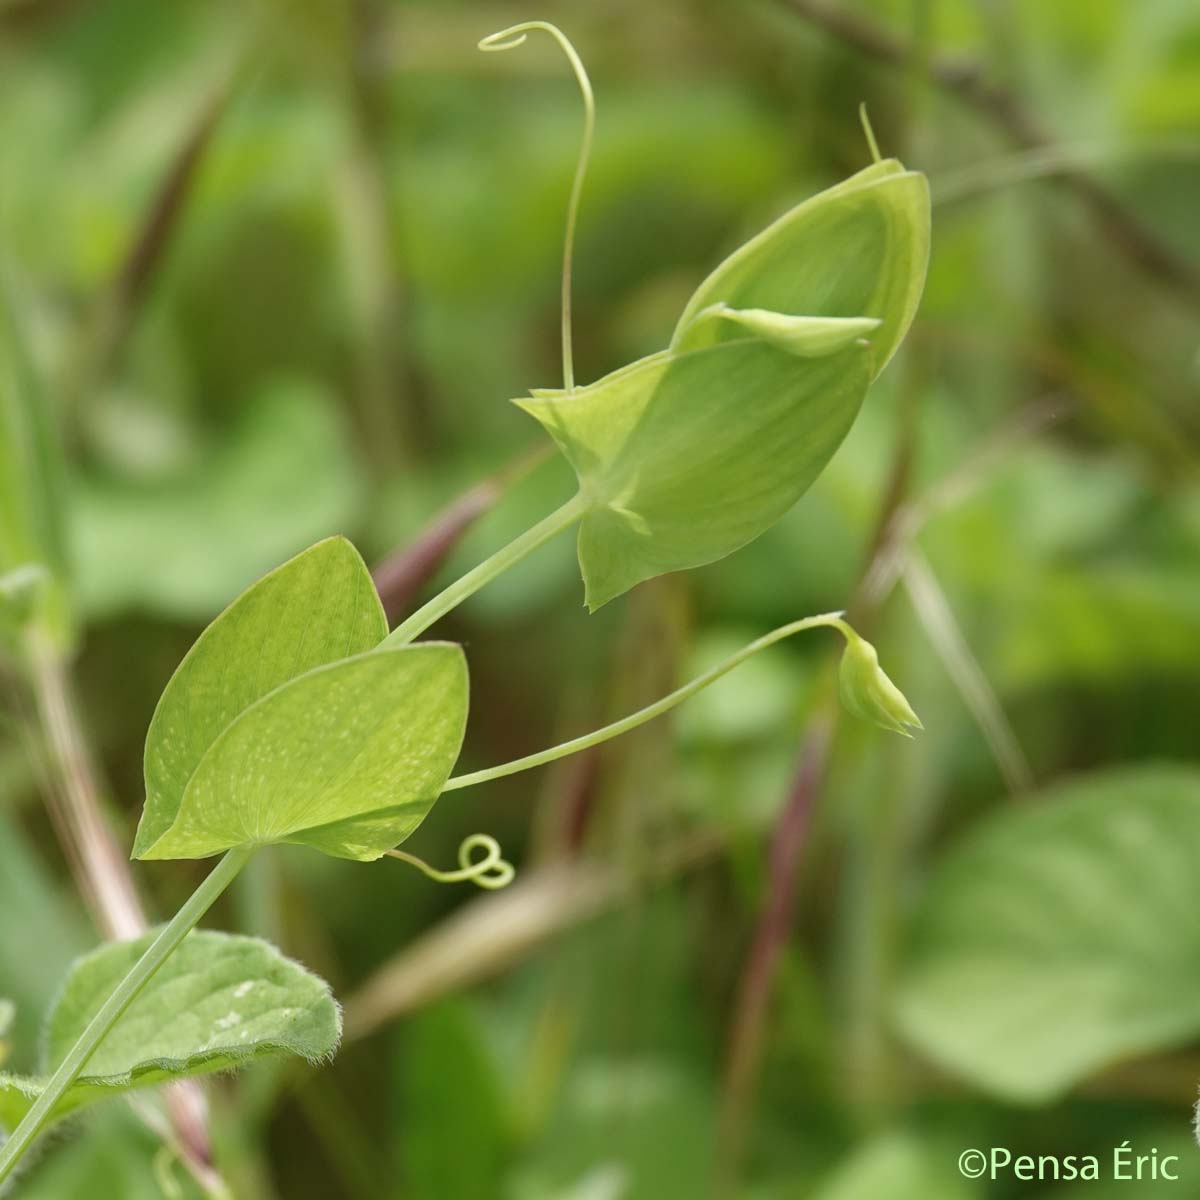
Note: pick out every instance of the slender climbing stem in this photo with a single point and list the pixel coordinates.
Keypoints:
(825, 620)
(168, 940)
(509, 39)
(562, 518)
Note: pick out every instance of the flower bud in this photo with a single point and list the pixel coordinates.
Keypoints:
(688, 454)
(867, 691)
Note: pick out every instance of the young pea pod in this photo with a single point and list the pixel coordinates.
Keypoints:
(687, 455)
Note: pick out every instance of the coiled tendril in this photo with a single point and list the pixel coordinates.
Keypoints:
(510, 39)
(492, 871)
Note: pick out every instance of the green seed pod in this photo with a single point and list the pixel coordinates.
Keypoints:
(867, 691)
(687, 455)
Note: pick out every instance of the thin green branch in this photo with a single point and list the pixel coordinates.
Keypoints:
(562, 518)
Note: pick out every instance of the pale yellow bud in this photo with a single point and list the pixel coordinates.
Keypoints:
(867, 691)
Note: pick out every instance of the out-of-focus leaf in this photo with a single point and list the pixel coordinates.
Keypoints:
(218, 1003)
(39, 936)
(1061, 938)
(626, 1121)
(1103, 622)
(348, 759)
(898, 1168)
(181, 547)
(114, 1155)
(316, 608)
(454, 1133)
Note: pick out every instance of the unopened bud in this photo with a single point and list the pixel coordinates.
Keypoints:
(867, 691)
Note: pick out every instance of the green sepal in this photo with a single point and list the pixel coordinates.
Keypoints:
(684, 458)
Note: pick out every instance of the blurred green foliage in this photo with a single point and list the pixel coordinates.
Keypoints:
(360, 269)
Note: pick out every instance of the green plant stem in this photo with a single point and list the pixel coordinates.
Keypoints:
(180, 925)
(562, 518)
(825, 620)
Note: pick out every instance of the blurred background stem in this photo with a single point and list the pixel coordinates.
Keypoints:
(101, 870)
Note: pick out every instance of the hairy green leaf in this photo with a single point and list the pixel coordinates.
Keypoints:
(218, 1003)
(1062, 937)
(348, 758)
(857, 250)
(17, 1093)
(684, 458)
(318, 607)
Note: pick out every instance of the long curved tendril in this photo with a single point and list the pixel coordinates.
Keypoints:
(492, 871)
(831, 620)
(510, 39)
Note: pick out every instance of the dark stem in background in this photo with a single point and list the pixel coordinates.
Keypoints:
(385, 390)
(751, 1007)
(404, 574)
(115, 312)
(899, 523)
(751, 1014)
(770, 937)
(102, 871)
(74, 797)
(968, 81)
